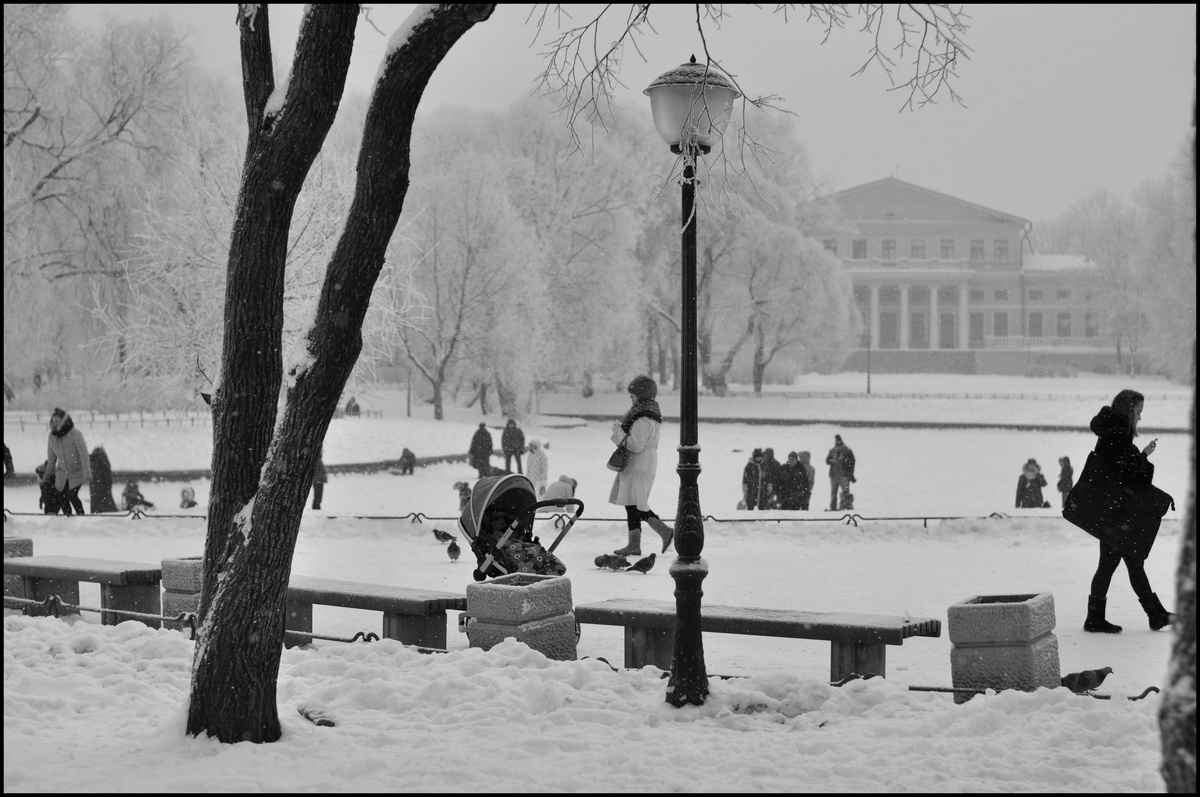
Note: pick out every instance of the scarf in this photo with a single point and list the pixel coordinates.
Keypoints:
(642, 408)
(67, 425)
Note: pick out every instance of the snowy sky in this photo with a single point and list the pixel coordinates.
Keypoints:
(1059, 102)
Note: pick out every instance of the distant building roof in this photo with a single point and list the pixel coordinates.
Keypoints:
(1057, 263)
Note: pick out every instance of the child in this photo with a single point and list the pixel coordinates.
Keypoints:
(188, 498)
(132, 497)
(1066, 478)
(1029, 486)
(50, 501)
(464, 495)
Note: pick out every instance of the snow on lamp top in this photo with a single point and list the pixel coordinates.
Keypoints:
(691, 102)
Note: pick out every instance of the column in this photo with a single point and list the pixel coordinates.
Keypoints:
(935, 320)
(904, 319)
(874, 316)
(964, 318)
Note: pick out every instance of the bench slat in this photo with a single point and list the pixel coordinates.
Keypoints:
(97, 571)
(376, 597)
(832, 626)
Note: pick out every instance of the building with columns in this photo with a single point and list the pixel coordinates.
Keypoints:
(945, 285)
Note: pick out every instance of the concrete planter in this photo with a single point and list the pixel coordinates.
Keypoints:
(181, 579)
(1003, 642)
(13, 547)
(534, 609)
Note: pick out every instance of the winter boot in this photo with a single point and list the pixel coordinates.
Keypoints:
(634, 548)
(666, 532)
(1095, 621)
(1159, 617)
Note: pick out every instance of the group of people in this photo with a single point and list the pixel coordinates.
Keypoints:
(513, 446)
(770, 484)
(1031, 481)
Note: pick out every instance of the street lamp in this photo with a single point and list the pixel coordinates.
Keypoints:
(691, 105)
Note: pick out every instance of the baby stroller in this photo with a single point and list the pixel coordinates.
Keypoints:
(498, 521)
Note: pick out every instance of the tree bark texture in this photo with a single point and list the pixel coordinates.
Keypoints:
(261, 469)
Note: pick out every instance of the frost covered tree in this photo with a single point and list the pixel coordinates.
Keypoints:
(265, 449)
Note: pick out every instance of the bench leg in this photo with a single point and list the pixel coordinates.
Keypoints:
(38, 589)
(299, 618)
(864, 658)
(649, 646)
(144, 598)
(425, 632)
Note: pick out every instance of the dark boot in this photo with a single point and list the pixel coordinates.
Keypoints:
(1095, 621)
(1159, 617)
(634, 548)
(666, 532)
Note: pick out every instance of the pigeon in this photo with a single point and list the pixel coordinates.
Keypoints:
(612, 561)
(642, 565)
(452, 550)
(443, 536)
(1086, 681)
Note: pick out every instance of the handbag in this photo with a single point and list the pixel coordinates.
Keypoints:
(1124, 519)
(619, 458)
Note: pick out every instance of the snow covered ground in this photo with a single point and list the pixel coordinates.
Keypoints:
(97, 708)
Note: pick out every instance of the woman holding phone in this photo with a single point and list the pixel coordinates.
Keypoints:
(1129, 508)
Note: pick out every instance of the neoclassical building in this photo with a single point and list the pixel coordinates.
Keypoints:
(945, 285)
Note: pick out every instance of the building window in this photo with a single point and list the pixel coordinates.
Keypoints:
(1001, 250)
(976, 250)
(976, 296)
(860, 248)
(1000, 325)
(947, 249)
(947, 294)
(918, 250)
(889, 250)
(1035, 296)
(1064, 325)
(1091, 326)
(1063, 296)
(889, 294)
(1035, 325)
(918, 295)
(831, 246)
(1000, 296)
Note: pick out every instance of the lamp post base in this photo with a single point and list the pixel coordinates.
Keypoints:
(688, 684)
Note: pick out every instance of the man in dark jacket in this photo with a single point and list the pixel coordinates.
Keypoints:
(102, 482)
(512, 443)
(480, 452)
(756, 486)
(792, 483)
(841, 472)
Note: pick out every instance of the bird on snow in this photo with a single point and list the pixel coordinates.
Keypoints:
(1086, 681)
(443, 536)
(452, 550)
(642, 565)
(612, 561)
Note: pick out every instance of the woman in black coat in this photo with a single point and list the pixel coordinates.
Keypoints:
(1123, 506)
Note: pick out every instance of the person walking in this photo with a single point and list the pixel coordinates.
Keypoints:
(1029, 486)
(841, 472)
(640, 430)
(512, 443)
(772, 467)
(1066, 478)
(755, 485)
(1126, 474)
(480, 452)
(792, 479)
(407, 462)
(539, 466)
(320, 477)
(100, 489)
(67, 460)
(805, 458)
(50, 500)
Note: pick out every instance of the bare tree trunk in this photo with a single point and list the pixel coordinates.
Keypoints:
(261, 475)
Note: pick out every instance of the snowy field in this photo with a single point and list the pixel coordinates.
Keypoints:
(110, 701)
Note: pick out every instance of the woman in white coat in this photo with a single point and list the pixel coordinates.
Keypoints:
(631, 488)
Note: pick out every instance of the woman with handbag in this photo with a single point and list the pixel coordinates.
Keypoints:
(638, 431)
(1115, 501)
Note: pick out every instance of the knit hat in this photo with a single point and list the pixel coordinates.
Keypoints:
(59, 412)
(643, 387)
(757, 453)
(837, 438)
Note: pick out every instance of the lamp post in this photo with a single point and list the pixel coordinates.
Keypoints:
(691, 105)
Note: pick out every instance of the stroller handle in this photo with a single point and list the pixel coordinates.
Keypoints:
(560, 503)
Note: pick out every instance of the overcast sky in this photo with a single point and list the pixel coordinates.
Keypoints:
(1059, 100)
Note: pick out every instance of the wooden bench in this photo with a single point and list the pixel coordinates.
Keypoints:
(858, 640)
(412, 616)
(124, 586)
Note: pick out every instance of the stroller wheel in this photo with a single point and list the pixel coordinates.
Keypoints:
(477, 575)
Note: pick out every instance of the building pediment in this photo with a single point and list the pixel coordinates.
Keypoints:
(891, 199)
